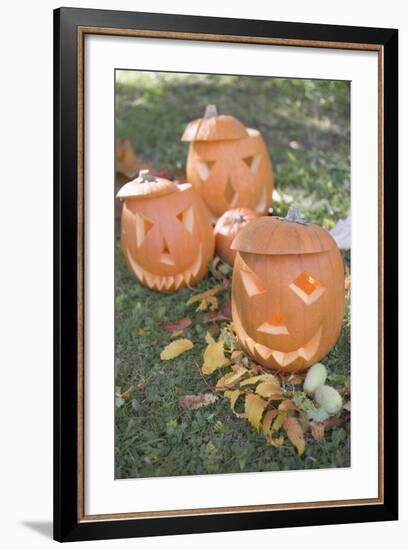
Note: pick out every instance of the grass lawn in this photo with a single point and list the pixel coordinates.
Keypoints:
(306, 127)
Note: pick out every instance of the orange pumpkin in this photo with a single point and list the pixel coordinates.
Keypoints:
(228, 164)
(227, 228)
(167, 235)
(287, 292)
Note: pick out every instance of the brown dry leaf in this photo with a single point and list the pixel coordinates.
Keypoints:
(177, 326)
(230, 378)
(207, 299)
(269, 390)
(261, 378)
(296, 379)
(214, 357)
(128, 392)
(214, 329)
(295, 434)
(317, 430)
(233, 395)
(303, 421)
(287, 405)
(266, 423)
(175, 348)
(332, 422)
(192, 402)
(254, 408)
(279, 420)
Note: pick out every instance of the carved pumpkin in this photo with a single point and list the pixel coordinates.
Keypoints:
(287, 291)
(167, 235)
(228, 164)
(227, 228)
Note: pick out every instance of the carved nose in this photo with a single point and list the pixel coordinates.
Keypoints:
(274, 324)
(166, 257)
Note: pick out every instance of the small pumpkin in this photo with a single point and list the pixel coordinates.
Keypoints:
(227, 228)
(167, 235)
(287, 291)
(228, 164)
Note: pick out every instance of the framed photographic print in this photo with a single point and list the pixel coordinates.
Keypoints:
(225, 274)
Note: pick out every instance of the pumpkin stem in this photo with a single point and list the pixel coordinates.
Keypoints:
(145, 175)
(210, 111)
(294, 215)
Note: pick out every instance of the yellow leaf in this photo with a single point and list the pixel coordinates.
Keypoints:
(279, 420)
(261, 378)
(175, 348)
(277, 441)
(208, 338)
(295, 434)
(206, 299)
(266, 423)
(287, 405)
(254, 408)
(233, 395)
(230, 378)
(214, 357)
(269, 390)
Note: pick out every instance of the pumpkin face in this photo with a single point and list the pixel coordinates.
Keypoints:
(229, 165)
(227, 228)
(287, 293)
(166, 235)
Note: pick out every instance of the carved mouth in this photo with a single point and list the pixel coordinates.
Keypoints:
(281, 358)
(167, 282)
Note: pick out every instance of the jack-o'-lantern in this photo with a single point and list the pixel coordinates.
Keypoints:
(167, 235)
(227, 228)
(287, 291)
(228, 164)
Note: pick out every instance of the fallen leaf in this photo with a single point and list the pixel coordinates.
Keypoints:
(267, 422)
(214, 357)
(254, 408)
(287, 405)
(261, 378)
(295, 434)
(192, 402)
(128, 392)
(279, 420)
(175, 348)
(269, 390)
(214, 329)
(317, 430)
(207, 299)
(226, 311)
(179, 325)
(208, 338)
(233, 395)
(296, 379)
(332, 422)
(347, 406)
(230, 378)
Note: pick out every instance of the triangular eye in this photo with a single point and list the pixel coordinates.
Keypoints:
(143, 226)
(252, 162)
(186, 217)
(204, 168)
(252, 284)
(307, 288)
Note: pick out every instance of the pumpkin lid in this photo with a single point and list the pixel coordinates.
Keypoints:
(214, 127)
(290, 235)
(146, 185)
